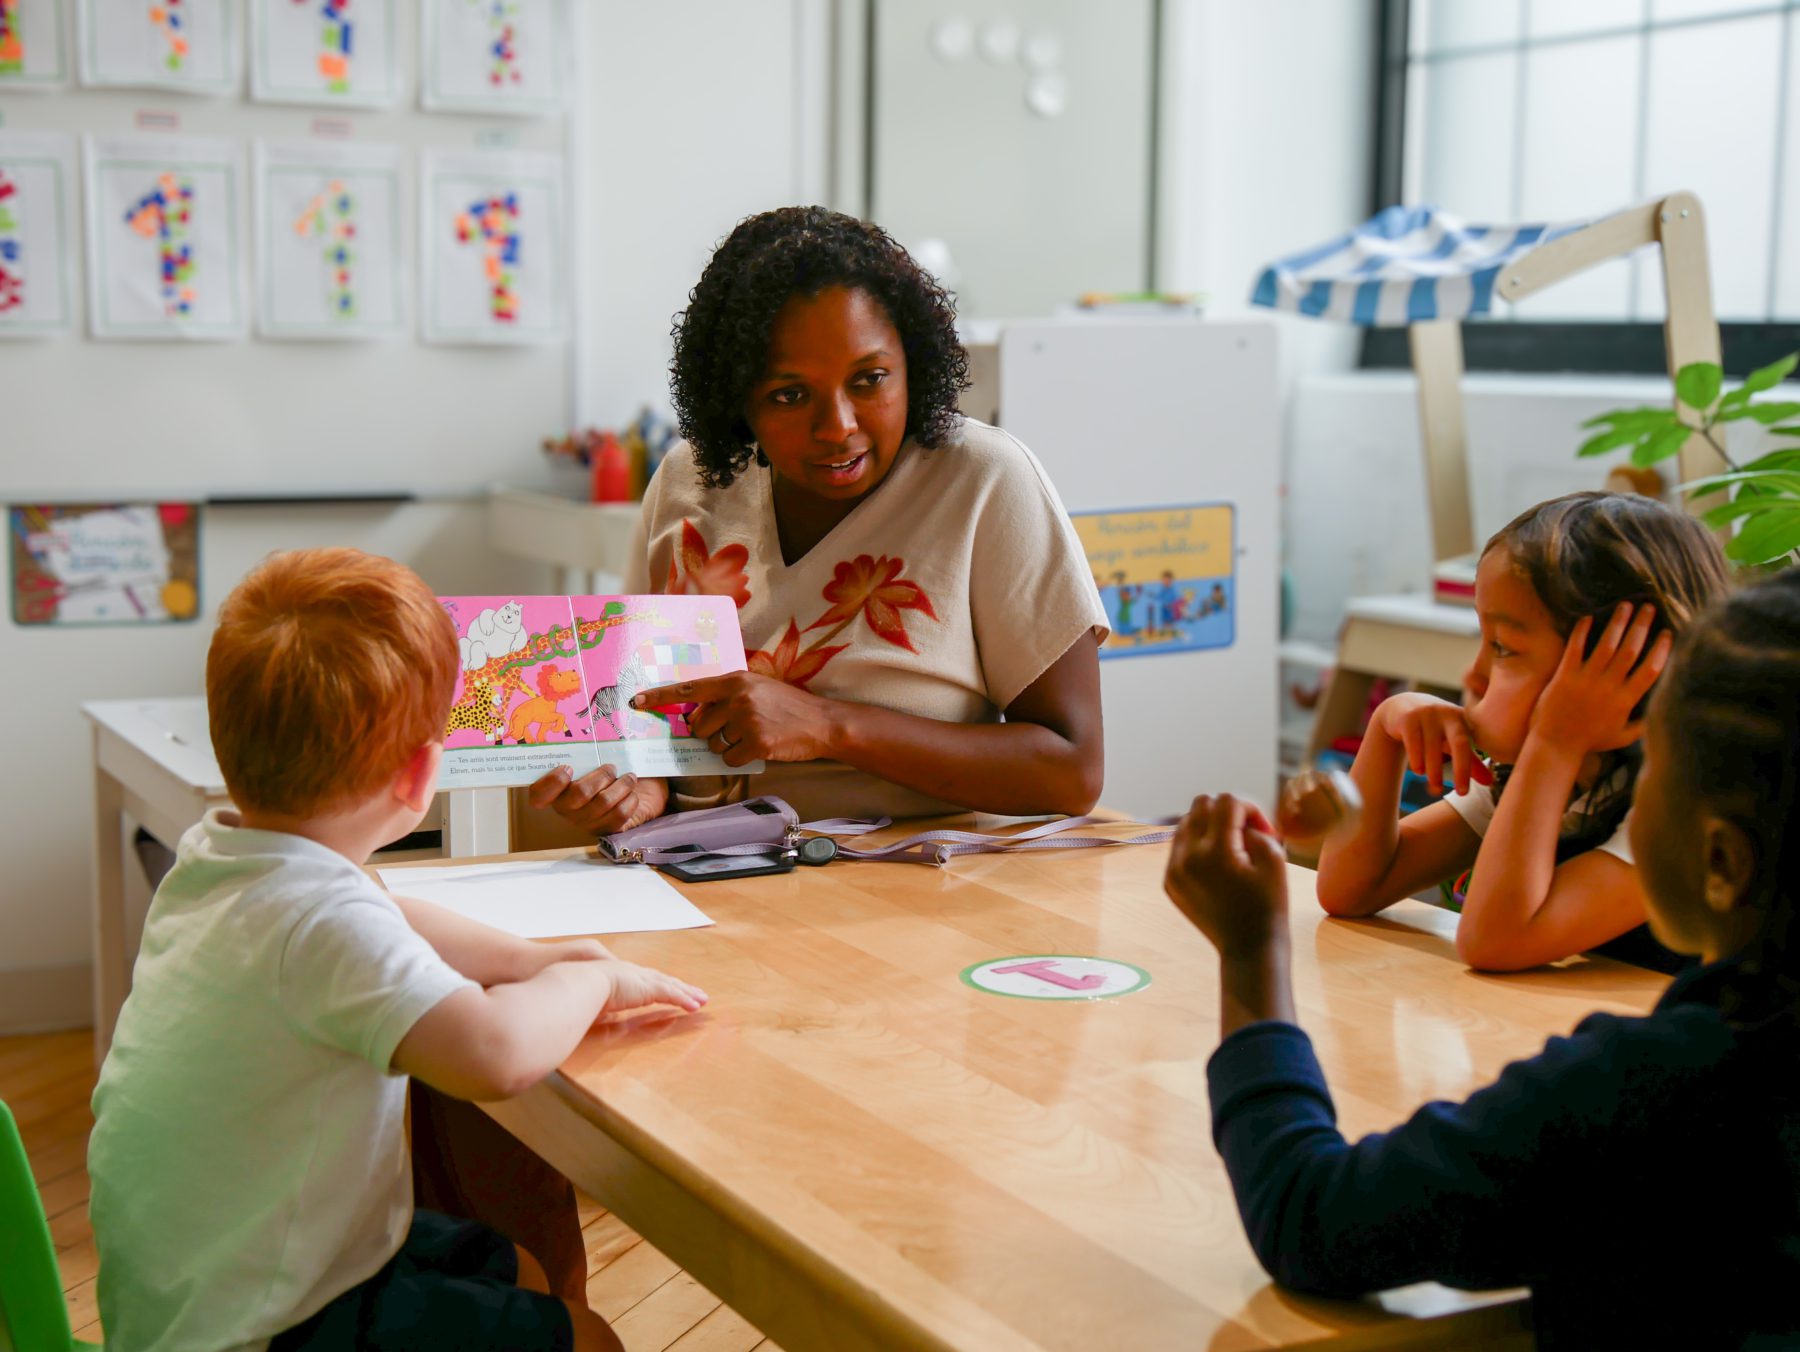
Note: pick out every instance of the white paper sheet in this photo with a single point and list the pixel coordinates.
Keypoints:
(543, 899)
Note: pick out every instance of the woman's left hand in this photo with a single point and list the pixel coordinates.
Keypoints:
(747, 717)
(1590, 701)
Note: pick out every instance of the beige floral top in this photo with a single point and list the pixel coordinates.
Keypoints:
(944, 593)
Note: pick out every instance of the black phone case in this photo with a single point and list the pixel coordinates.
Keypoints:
(766, 866)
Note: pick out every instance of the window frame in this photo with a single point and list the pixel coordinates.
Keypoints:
(1535, 346)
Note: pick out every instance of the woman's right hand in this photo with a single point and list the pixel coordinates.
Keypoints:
(601, 801)
(1432, 729)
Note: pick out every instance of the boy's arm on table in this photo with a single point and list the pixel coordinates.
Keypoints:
(483, 953)
(491, 1044)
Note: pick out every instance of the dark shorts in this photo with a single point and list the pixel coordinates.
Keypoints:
(450, 1286)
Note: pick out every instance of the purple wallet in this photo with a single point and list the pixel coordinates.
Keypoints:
(682, 835)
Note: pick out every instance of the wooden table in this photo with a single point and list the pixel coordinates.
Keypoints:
(856, 1149)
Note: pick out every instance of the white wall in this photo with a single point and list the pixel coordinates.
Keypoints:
(696, 113)
(1266, 147)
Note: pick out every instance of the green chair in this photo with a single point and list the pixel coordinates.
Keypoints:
(33, 1317)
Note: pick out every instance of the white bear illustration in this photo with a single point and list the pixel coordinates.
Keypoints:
(494, 633)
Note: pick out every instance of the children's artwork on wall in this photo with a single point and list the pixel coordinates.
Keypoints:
(36, 285)
(495, 56)
(324, 51)
(548, 680)
(1167, 576)
(32, 52)
(493, 247)
(328, 240)
(165, 237)
(132, 563)
(158, 44)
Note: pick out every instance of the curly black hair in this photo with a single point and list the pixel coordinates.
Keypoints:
(722, 338)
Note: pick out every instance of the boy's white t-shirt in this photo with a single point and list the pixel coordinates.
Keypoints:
(1476, 807)
(249, 1157)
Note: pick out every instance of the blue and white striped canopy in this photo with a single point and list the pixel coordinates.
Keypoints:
(1405, 265)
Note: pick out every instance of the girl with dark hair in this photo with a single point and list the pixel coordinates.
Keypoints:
(921, 625)
(1642, 1175)
(1579, 600)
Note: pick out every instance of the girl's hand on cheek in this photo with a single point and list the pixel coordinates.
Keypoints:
(1589, 703)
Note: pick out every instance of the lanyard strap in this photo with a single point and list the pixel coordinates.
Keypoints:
(940, 847)
(934, 847)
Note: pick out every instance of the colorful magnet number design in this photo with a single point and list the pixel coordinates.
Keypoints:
(1056, 976)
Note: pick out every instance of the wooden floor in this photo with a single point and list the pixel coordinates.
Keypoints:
(47, 1081)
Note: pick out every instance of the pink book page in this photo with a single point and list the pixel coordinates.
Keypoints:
(520, 701)
(635, 643)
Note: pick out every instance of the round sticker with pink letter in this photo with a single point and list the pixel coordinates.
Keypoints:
(1056, 976)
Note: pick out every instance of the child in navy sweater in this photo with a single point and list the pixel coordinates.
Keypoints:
(1642, 1175)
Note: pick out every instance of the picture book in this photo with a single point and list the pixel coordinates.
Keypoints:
(545, 681)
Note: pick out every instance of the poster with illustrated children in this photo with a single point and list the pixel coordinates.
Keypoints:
(1167, 576)
(165, 236)
(339, 52)
(37, 173)
(189, 45)
(328, 241)
(493, 247)
(494, 56)
(33, 55)
(548, 680)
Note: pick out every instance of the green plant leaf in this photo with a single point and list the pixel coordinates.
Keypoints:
(1660, 445)
(1632, 417)
(1768, 377)
(1739, 508)
(1793, 431)
(1785, 458)
(1771, 485)
(1697, 385)
(1609, 441)
(1772, 413)
(1767, 537)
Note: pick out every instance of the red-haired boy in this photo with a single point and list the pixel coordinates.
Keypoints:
(251, 1184)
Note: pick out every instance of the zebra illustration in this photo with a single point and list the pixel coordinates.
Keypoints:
(613, 702)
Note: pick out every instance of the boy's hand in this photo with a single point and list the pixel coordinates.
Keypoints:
(1432, 730)
(1589, 703)
(1228, 874)
(601, 801)
(634, 986)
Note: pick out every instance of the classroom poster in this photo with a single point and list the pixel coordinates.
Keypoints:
(36, 274)
(328, 240)
(187, 45)
(548, 680)
(494, 56)
(492, 250)
(1167, 576)
(165, 237)
(32, 53)
(325, 52)
(131, 563)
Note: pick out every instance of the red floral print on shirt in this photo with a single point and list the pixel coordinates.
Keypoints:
(696, 572)
(788, 663)
(868, 587)
(875, 588)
